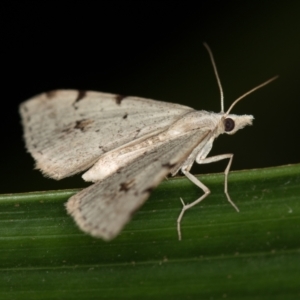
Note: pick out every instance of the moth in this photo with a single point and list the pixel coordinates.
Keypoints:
(128, 145)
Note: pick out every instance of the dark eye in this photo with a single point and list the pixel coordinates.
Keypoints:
(228, 124)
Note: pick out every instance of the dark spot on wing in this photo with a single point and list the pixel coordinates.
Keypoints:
(119, 99)
(67, 130)
(83, 125)
(149, 189)
(102, 149)
(125, 116)
(125, 186)
(51, 94)
(168, 165)
(84, 218)
(137, 132)
(80, 96)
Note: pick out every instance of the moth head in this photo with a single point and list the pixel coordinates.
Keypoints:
(232, 123)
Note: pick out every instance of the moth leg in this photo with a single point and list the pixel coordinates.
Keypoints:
(185, 207)
(205, 189)
(211, 159)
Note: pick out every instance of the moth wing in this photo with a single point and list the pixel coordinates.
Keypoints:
(67, 130)
(103, 209)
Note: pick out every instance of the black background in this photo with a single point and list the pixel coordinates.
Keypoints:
(155, 50)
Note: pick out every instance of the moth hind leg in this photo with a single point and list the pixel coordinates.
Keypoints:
(185, 207)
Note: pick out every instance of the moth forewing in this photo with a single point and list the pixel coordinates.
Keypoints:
(58, 126)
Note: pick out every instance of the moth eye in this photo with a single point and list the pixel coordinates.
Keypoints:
(228, 124)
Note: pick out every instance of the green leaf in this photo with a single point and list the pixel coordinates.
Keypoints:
(254, 254)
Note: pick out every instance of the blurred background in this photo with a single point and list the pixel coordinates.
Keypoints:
(155, 50)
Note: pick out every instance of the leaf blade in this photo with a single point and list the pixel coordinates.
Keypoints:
(44, 255)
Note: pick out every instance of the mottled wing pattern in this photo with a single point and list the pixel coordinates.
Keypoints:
(106, 206)
(67, 130)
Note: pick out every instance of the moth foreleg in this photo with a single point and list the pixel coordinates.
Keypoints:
(211, 159)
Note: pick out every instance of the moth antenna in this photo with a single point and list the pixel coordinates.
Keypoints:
(216, 74)
(249, 92)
